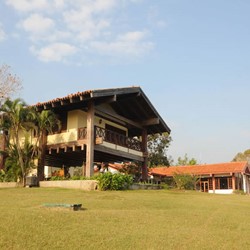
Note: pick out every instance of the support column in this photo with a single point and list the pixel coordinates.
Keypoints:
(145, 155)
(213, 180)
(2, 148)
(233, 181)
(244, 183)
(90, 139)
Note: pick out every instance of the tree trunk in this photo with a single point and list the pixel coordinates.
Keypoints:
(20, 159)
(41, 156)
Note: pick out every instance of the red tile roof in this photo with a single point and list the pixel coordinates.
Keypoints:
(78, 94)
(117, 166)
(86, 94)
(206, 169)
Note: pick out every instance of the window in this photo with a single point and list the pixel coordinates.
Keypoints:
(63, 118)
(217, 183)
(223, 183)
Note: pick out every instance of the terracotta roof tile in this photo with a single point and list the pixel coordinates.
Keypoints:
(58, 99)
(117, 166)
(206, 169)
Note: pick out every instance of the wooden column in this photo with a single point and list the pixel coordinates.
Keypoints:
(233, 181)
(145, 155)
(213, 180)
(42, 154)
(90, 139)
(2, 148)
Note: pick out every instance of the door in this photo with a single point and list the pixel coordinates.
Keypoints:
(204, 186)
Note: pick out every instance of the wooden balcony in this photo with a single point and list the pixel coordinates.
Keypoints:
(112, 137)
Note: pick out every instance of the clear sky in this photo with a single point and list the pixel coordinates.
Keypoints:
(191, 58)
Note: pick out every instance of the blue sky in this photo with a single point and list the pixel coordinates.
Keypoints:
(191, 58)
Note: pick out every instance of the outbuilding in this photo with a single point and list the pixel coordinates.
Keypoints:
(219, 178)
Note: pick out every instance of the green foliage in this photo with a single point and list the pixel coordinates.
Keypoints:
(241, 192)
(109, 181)
(186, 161)
(15, 117)
(185, 181)
(6, 176)
(12, 163)
(157, 149)
(242, 156)
(57, 178)
(133, 169)
(79, 177)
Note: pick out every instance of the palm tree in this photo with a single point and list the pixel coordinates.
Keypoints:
(17, 118)
(12, 166)
(46, 122)
(15, 114)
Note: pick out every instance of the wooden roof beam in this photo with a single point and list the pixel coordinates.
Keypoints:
(152, 121)
(64, 102)
(116, 91)
(108, 99)
(117, 118)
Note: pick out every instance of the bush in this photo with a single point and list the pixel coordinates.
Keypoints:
(6, 176)
(241, 192)
(185, 181)
(57, 178)
(109, 181)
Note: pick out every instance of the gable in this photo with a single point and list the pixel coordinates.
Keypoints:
(129, 104)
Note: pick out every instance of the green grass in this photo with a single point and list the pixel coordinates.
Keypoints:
(143, 219)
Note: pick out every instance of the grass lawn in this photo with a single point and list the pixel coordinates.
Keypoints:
(143, 219)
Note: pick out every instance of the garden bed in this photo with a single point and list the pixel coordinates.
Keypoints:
(87, 185)
(8, 184)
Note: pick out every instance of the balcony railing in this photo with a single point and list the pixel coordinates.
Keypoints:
(82, 133)
(112, 137)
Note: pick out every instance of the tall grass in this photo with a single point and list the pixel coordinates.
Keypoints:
(143, 219)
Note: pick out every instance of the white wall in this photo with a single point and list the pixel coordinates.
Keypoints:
(221, 191)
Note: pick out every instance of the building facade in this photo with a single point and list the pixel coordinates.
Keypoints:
(220, 178)
(105, 125)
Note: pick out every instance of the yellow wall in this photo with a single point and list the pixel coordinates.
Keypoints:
(78, 119)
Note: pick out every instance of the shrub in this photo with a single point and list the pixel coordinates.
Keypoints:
(57, 178)
(109, 181)
(6, 176)
(185, 181)
(241, 192)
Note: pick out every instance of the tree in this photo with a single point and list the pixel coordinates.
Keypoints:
(157, 149)
(245, 156)
(12, 165)
(133, 169)
(186, 161)
(45, 122)
(15, 115)
(185, 181)
(19, 120)
(9, 83)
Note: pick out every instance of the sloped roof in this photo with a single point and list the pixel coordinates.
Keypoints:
(206, 169)
(129, 102)
(117, 166)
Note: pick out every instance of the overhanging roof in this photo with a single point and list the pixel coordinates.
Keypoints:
(206, 169)
(129, 102)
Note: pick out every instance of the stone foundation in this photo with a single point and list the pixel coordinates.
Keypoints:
(87, 185)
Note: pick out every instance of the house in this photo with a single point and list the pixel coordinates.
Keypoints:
(220, 178)
(103, 125)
